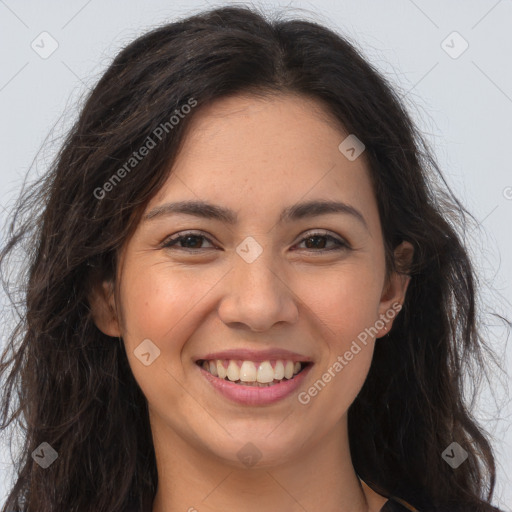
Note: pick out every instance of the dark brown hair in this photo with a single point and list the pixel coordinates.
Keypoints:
(71, 385)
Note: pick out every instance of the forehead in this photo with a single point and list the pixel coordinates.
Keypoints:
(288, 125)
(252, 153)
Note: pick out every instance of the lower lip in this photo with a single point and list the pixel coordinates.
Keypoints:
(253, 395)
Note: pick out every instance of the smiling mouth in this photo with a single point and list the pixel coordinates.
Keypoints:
(248, 373)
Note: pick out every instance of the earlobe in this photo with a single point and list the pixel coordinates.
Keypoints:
(103, 308)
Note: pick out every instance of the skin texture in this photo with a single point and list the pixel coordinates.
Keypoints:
(255, 157)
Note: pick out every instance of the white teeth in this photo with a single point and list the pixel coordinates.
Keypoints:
(233, 371)
(221, 371)
(279, 370)
(248, 372)
(213, 368)
(288, 369)
(265, 372)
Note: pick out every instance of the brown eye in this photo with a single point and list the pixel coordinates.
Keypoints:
(187, 241)
(317, 242)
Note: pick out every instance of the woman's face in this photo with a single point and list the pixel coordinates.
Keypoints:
(253, 277)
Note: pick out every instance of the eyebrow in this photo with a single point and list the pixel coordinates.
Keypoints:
(289, 214)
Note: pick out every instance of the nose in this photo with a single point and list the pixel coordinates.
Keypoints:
(257, 296)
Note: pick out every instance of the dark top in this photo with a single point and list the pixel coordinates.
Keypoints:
(392, 505)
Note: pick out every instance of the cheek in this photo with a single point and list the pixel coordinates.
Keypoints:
(345, 300)
(344, 305)
(150, 306)
(159, 300)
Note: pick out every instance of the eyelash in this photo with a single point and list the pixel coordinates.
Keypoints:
(171, 242)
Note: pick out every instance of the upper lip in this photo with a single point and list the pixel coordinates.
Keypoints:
(256, 355)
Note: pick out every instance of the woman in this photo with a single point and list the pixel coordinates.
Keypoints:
(244, 290)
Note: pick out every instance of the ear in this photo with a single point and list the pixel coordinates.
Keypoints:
(103, 308)
(393, 294)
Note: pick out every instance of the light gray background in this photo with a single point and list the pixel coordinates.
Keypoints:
(463, 104)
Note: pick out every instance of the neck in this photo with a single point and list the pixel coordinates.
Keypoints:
(191, 479)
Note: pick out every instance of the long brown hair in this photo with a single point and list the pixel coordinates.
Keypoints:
(71, 386)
